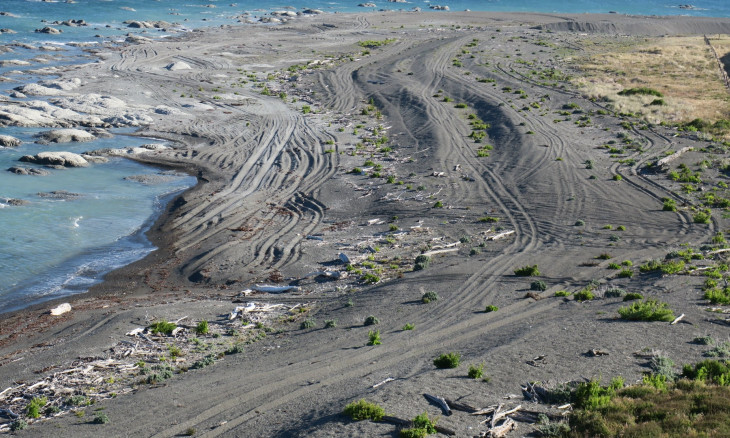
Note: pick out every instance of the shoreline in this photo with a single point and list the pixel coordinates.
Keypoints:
(262, 194)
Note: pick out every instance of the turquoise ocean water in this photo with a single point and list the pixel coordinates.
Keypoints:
(54, 247)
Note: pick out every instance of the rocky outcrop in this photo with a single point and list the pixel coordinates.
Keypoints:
(135, 24)
(65, 136)
(60, 194)
(50, 88)
(49, 30)
(71, 23)
(9, 142)
(16, 202)
(20, 170)
(56, 159)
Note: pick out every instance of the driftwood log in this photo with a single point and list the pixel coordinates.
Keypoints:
(440, 402)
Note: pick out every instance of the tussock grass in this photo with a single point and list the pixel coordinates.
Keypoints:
(680, 68)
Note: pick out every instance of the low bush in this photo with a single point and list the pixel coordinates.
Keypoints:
(562, 293)
(614, 292)
(648, 310)
(202, 328)
(429, 296)
(330, 323)
(625, 273)
(421, 262)
(162, 327)
(476, 371)
(669, 204)
(33, 409)
(422, 427)
(448, 360)
(584, 295)
(101, 418)
(307, 324)
(374, 337)
(491, 308)
(371, 320)
(527, 271)
(631, 296)
(364, 410)
(409, 326)
(538, 285)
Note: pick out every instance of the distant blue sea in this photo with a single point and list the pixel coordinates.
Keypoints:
(51, 247)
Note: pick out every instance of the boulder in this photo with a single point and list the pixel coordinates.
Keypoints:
(17, 202)
(49, 30)
(62, 159)
(9, 142)
(20, 170)
(65, 136)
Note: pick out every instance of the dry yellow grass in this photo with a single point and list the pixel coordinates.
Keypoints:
(681, 68)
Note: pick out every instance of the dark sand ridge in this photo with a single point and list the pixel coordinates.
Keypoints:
(272, 179)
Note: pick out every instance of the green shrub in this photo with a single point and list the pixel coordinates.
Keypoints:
(580, 223)
(234, 349)
(651, 265)
(538, 285)
(489, 219)
(584, 295)
(101, 418)
(306, 109)
(438, 204)
(421, 262)
(672, 267)
(617, 177)
(202, 327)
(364, 410)
(703, 340)
(641, 91)
(709, 370)
(307, 324)
(448, 360)
(718, 296)
(374, 337)
(163, 327)
(18, 424)
(614, 292)
(33, 409)
(625, 273)
(77, 400)
(370, 278)
(648, 310)
(614, 266)
(371, 320)
(429, 296)
(632, 296)
(409, 326)
(422, 427)
(412, 432)
(204, 362)
(476, 371)
(330, 323)
(669, 204)
(702, 217)
(527, 271)
(592, 396)
(562, 293)
(491, 308)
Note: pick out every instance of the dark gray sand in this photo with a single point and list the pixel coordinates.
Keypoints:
(271, 175)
